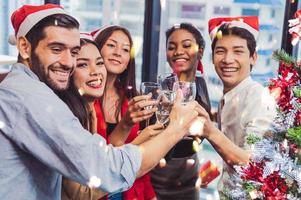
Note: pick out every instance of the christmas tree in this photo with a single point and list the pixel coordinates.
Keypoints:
(274, 170)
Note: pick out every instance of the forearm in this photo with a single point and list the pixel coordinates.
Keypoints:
(120, 133)
(156, 148)
(76, 191)
(230, 152)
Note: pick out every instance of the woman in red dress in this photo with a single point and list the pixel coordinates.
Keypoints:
(116, 47)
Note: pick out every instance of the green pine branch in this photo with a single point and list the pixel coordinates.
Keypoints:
(252, 138)
(294, 135)
(282, 56)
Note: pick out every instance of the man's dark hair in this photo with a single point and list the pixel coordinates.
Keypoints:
(190, 28)
(240, 32)
(37, 33)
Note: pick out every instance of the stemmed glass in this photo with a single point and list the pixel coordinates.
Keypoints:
(153, 88)
(167, 80)
(188, 90)
(165, 103)
(189, 93)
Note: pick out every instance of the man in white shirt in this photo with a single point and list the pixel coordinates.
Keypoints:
(246, 106)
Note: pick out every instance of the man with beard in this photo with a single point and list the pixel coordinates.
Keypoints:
(40, 138)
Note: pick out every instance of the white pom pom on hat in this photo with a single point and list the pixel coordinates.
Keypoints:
(27, 16)
(12, 39)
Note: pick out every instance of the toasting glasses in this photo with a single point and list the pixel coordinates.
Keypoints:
(154, 89)
(165, 103)
(167, 80)
(188, 90)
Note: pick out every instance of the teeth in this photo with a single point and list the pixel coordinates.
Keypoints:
(60, 73)
(95, 83)
(229, 69)
(180, 60)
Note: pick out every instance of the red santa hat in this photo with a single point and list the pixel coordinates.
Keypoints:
(98, 31)
(249, 23)
(86, 35)
(95, 33)
(27, 16)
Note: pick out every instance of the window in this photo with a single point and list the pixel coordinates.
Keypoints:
(268, 62)
(271, 37)
(91, 24)
(273, 13)
(194, 11)
(6, 9)
(93, 5)
(221, 10)
(249, 12)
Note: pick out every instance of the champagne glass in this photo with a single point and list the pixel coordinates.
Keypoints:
(167, 80)
(153, 88)
(188, 90)
(189, 93)
(165, 103)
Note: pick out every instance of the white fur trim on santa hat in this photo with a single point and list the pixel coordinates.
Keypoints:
(35, 17)
(100, 30)
(86, 35)
(232, 24)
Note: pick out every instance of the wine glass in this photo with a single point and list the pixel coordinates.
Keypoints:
(167, 80)
(189, 93)
(165, 102)
(188, 90)
(153, 88)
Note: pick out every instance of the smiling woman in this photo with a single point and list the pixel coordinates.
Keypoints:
(115, 44)
(184, 51)
(86, 85)
(90, 73)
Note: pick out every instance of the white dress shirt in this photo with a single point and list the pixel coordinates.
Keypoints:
(247, 108)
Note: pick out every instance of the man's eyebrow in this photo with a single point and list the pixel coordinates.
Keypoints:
(62, 45)
(238, 47)
(219, 47)
(83, 59)
(76, 48)
(55, 44)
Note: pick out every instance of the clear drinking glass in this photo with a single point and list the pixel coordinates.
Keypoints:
(165, 102)
(189, 93)
(153, 88)
(167, 80)
(188, 90)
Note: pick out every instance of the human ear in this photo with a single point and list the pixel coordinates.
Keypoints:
(254, 58)
(24, 47)
(200, 53)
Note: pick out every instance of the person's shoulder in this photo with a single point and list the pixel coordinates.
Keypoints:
(258, 94)
(254, 86)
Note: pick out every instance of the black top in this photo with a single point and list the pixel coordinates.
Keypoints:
(184, 148)
(110, 127)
